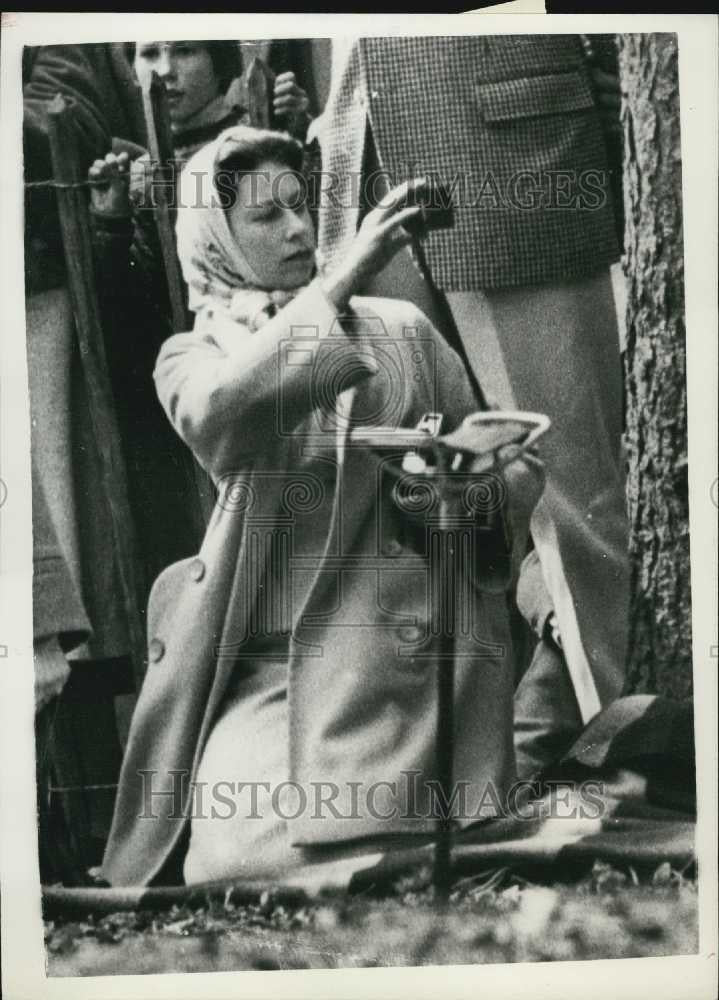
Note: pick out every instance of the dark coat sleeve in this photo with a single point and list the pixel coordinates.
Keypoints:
(49, 70)
(129, 270)
(60, 69)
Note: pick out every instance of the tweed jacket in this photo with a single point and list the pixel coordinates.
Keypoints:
(268, 415)
(508, 122)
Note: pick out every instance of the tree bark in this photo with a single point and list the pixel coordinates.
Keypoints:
(660, 659)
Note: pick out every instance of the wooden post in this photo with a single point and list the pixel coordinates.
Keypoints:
(162, 153)
(75, 228)
(159, 137)
(258, 83)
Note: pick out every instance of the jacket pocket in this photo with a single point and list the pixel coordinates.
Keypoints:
(530, 97)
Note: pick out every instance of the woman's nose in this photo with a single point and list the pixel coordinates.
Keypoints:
(165, 65)
(297, 225)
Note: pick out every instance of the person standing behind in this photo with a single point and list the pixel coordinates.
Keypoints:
(511, 123)
(172, 502)
(68, 494)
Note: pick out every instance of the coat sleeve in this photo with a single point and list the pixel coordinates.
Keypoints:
(49, 70)
(229, 393)
(66, 70)
(129, 272)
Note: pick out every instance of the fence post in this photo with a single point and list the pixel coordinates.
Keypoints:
(258, 84)
(162, 154)
(75, 228)
(159, 137)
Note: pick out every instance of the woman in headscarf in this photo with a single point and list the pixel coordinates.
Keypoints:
(289, 711)
(202, 82)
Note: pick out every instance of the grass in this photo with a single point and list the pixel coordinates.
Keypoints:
(495, 917)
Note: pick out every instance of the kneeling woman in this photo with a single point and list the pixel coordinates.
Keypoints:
(289, 709)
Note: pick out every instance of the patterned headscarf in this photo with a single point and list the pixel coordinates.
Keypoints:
(217, 271)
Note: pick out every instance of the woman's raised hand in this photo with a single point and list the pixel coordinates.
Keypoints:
(109, 191)
(289, 98)
(379, 238)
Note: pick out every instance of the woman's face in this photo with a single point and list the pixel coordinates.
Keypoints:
(272, 226)
(186, 70)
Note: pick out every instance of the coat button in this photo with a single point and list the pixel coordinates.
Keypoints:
(156, 650)
(410, 633)
(197, 570)
(392, 548)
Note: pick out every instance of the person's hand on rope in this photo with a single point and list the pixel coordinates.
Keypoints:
(379, 238)
(109, 186)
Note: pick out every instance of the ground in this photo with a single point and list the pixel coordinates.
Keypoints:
(494, 917)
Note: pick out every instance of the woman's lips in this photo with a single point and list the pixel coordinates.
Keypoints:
(300, 255)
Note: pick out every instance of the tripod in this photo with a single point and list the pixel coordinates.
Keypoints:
(470, 450)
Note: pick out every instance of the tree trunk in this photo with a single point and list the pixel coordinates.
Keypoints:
(660, 658)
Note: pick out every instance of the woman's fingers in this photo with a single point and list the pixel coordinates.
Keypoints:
(391, 207)
(398, 219)
(397, 197)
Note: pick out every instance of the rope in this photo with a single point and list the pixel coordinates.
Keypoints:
(65, 184)
(53, 789)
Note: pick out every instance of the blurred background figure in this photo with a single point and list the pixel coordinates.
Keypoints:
(171, 497)
(81, 629)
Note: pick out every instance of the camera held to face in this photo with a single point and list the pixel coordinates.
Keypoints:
(436, 207)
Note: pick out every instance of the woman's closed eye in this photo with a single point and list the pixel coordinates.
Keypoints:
(149, 52)
(184, 49)
(265, 213)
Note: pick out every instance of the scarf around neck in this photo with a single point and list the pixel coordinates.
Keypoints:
(204, 125)
(217, 271)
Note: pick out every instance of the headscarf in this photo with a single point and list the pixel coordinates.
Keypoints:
(217, 271)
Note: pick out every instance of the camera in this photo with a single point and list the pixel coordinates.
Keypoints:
(435, 201)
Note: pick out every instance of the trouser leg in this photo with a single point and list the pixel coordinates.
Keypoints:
(546, 714)
(554, 349)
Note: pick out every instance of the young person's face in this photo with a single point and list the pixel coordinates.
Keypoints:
(186, 70)
(272, 226)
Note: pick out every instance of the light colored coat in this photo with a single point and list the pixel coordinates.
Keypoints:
(268, 415)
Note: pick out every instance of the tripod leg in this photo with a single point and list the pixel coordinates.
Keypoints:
(443, 568)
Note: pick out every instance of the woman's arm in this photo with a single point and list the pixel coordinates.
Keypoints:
(230, 393)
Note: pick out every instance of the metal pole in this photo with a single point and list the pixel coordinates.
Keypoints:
(443, 573)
